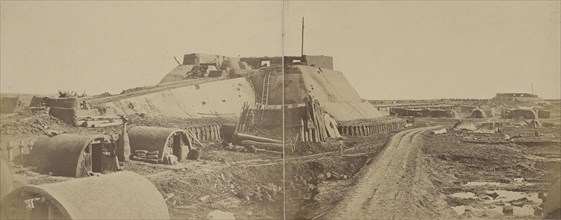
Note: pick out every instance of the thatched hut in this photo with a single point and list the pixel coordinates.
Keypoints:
(74, 155)
(172, 141)
(121, 195)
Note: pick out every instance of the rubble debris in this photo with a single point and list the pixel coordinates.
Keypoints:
(508, 210)
(465, 125)
(439, 131)
(220, 215)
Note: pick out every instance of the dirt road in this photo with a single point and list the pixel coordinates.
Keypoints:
(391, 187)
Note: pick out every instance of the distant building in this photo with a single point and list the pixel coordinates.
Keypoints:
(518, 99)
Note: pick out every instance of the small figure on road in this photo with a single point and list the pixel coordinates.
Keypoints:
(341, 144)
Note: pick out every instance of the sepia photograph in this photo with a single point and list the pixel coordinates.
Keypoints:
(280, 109)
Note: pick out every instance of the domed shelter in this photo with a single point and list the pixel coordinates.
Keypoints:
(552, 204)
(121, 195)
(518, 121)
(6, 182)
(526, 113)
(170, 141)
(74, 155)
(478, 113)
(450, 114)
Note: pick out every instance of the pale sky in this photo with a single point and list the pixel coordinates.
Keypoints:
(387, 50)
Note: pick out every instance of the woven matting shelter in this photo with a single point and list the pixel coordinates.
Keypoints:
(121, 195)
(69, 155)
(157, 139)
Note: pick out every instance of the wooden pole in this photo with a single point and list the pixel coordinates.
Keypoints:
(10, 153)
(302, 49)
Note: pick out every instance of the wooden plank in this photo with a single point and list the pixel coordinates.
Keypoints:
(265, 145)
(241, 136)
(195, 139)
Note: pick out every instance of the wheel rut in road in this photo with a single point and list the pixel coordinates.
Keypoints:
(387, 187)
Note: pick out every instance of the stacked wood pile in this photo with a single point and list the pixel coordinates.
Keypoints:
(313, 128)
(246, 117)
(261, 142)
(306, 123)
(249, 116)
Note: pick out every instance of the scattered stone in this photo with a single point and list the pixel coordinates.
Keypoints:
(493, 195)
(335, 175)
(520, 202)
(218, 214)
(508, 210)
(542, 195)
(169, 196)
(204, 198)
(267, 196)
(251, 149)
(538, 211)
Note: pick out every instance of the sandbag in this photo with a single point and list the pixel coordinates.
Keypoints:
(137, 158)
(151, 156)
(153, 153)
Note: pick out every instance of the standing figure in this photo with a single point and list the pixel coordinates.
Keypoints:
(123, 144)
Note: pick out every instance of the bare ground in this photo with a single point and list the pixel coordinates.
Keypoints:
(393, 186)
(413, 176)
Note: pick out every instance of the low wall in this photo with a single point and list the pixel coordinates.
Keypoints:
(370, 129)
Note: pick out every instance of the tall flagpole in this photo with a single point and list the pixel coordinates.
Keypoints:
(302, 51)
